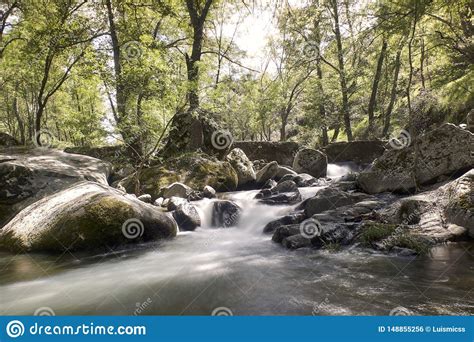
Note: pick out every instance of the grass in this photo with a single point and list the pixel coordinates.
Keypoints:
(420, 245)
(373, 232)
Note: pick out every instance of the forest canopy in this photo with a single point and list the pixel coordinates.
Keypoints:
(89, 73)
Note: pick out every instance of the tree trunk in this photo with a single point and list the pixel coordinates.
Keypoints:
(393, 93)
(179, 138)
(342, 74)
(375, 85)
(321, 107)
(21, 125)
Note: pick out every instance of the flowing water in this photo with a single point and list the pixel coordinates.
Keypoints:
(240, 271)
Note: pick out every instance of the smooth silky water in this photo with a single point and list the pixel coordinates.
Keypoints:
(242, 270)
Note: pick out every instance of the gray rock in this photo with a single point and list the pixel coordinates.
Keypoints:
(281, 152)
(28, 175)
(174, 202)
(331, 198)
(283, 232)
(158, 202)
(361, 152)
(6, 140)
(282, 171)
(443, 151)
(267, 172)
(297, 217)
(145, 198)
(269, 184)
(209, 192)
(177, 190)
(312, 162)
(187, 217)
(225, 214)
(283, 193)
(242, 165)
(296, 241)
(86, 216)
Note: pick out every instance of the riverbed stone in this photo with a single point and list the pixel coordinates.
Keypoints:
(194, 170)
(28, 175)
(242, 165)
(225, 214)
(187, 217)
(269, 171)
(6, 140)
(283, 193)
(443, 151)
(85, 216)
(311, 161)
(331, 198)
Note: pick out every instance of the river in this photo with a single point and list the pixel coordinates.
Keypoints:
(238, 271)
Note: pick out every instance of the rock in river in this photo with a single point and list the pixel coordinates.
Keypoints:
(28, 175)
(86, 216)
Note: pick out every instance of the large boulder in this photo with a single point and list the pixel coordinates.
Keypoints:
(6, 140)
(281, 152)
(267, 172)
(443, 151)
(86, 216)
(360, 152)
(242, 165)
(193, 170)
(28, 175)
(312, 162)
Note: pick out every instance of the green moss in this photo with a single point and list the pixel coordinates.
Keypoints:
(194, 170)
(373, 232)
(405, 240)
(332, 247)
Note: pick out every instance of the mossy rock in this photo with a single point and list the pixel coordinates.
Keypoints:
(373, 232)
(194, 170)
(87, 216)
